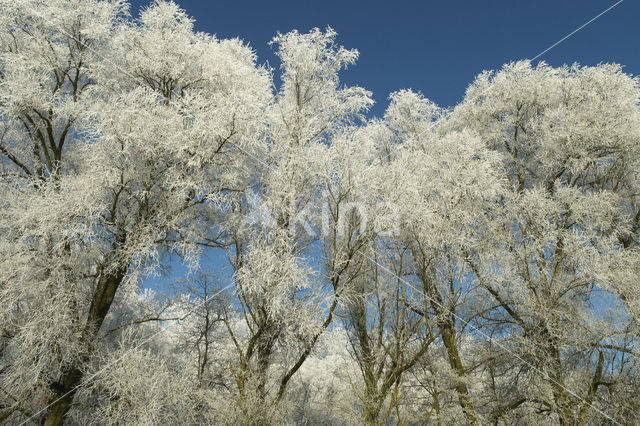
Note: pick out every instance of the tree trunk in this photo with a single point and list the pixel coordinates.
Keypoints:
(62, 396)
(551, 357)
(449, 340)
(63, 391)
(371, 413)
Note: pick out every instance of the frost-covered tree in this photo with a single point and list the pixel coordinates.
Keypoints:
(448, 178)
(285, 301)
(556, 283)
(118, 137)
(386, 337)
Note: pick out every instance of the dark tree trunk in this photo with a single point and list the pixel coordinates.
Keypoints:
(63, 390)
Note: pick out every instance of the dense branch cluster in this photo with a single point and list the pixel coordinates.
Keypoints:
(476, 265)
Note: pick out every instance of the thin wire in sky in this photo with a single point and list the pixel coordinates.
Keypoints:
(576, 30)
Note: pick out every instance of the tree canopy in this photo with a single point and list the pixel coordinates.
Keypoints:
(472, 265)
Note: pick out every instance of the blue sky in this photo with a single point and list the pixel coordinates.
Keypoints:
(434, 47)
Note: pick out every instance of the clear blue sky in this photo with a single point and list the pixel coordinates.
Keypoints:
(434, 47)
